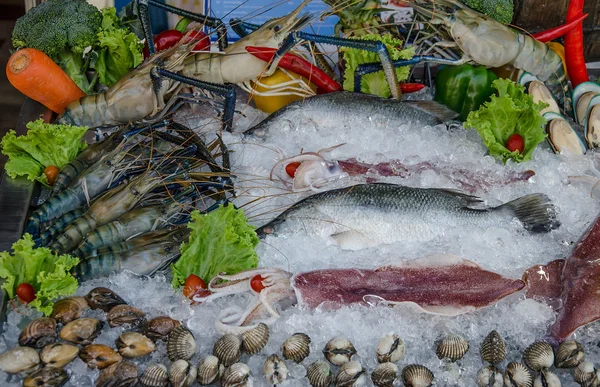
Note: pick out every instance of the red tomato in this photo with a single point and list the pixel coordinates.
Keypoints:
(515, 142)
(256, 283)
(193, 284)
(291, 168)
(203, 41)
(26, 293)
(51, 173)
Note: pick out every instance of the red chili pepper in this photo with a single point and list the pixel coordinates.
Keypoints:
(411, 87)
(557, 32)
(169, 38)
(298, 65)
(574, 46)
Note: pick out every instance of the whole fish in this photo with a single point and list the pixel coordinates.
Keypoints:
(370, 214)
(339, 110)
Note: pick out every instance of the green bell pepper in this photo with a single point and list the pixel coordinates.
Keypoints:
(464, 88)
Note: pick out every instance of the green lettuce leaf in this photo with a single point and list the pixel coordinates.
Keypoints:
(43, 145)
(220, 241)
(511, 111)
(375, 83)
(46, 271)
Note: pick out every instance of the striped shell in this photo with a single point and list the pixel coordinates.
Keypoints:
(319, 374)
(38, 333)
(235, 376)
(99, 356)
(121, 374)
(181, 344)
(68, 309)
(517, 375)
(569, 354)
(155, 376)
(228, 349)
(255, 339)
(390, 349)
(493, 349)
(416, 375)
(275, 370)
(19, 359)
(297, 347)
(453, 348)
(584, 372)
(490, 376)
(209, 370)
(81, 331)
(538, 356)
(58, 355)
(182, 374)
(133, 344)
(385, 374)
(352, 374)
(46, 377)
(547, 379)
(339, 350)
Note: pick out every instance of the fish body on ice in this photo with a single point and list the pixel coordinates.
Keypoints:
(371, 214)
(338, 110)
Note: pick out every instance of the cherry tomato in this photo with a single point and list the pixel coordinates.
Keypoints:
(193, 284)
(51, 173)
(256, 283)
(515, 142)
(291, 168)
(26, 293)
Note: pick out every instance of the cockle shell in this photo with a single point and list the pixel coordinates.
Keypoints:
(255, 339)
(68, 309)
(493, 349)
(103, 298)
(182, 374)
(385, 374)
(124, 315)
(181, 344)
(390, 349)
(38, 333)
(547, 379)
(296, 348)
(155, 376)
(58, 354)
(160, 327)
(584, 372)
(490, 376)
(228, 349)
(339, 350)
(319, 374)
(19, 359)
(538, 356)
(275, 370)
(352, 374)
(569, 354)
(209, 370)
(453, 348)
(99, 356)
(121, 374)
(133, 344)
(416, 375)
(46, 377)
(81, 331)
(235, 376)
(517, 375)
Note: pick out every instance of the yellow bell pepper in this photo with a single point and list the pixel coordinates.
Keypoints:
(560, 50)
(270, 104)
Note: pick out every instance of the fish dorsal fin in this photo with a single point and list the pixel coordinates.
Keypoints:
(436, 109)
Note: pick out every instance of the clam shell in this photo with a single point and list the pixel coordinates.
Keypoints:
(339, 350)
(351, 374)
(517, 375)
(38, 333)
(46, 377)
(390, 349)
(416, 375)
(68, 309)
(19, 359)
(547, 379)
(81, 331)
(58, 354)
(133, 344)
(209, 370)
(296, 348)
(490, 376)
(155, 376)
(160, 327)
(255, 339)
(275, 370)
(385, 374)
(121, 374)
(538, 356)
(235, 376)
(569, 354)
(124, 315)
(182, 374)
(99, 356)
(493, 349)
(584, 372)
(103, 298)
(453, 347)
(181, 344)
(228, 349)
(319, 374)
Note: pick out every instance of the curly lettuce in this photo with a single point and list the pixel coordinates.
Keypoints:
(220, 241)
(375, 83)
(510, 111)
(46, 271)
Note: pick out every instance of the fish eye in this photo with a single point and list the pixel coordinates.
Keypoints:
(277, 28)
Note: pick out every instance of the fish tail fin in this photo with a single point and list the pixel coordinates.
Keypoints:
(535, 211)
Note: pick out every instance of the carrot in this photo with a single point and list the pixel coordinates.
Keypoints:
(34, 74)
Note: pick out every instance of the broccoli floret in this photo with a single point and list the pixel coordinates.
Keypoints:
(500, 10)
(62, 29)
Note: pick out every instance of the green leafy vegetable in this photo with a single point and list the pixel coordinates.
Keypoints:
(46, 271)
(511, 111)
(375, 83)
(43, 145)
(220, 241)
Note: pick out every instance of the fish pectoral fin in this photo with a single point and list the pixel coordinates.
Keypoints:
(353, 240)
(469, 201)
